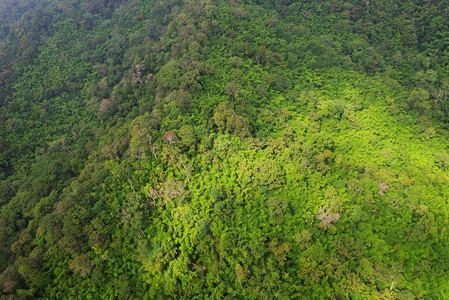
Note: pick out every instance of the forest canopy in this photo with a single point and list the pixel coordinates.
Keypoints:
(224, 149)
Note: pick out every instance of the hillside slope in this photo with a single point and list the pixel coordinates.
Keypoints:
(212, 149)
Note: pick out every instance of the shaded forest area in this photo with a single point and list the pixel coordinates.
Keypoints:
(224, 149)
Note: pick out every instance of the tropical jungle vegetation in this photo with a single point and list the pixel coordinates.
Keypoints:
(238, 149)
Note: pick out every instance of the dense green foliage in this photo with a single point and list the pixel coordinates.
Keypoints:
(210, 149)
